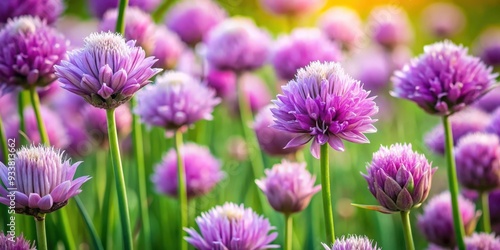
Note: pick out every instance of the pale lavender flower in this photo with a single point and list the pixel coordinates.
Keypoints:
(192, 20)
(399, 178)
(494, 124)
(353, 242)
(488, 46)
(254, 90)
(222, 81)
(168, 48)
(201, 167)
(372, 66)
(436, 222)
(389, 26)
(48, 10)
(288, 187)
(99, 7)
(231, 226)
(482, 241)
(18, 243)
(175, 101)
(443, 20)
(139, 26)
(271, 140)
(299, 49)
(326, 105)
(490, 101)
(30, 49)
(96, 125)
(52, 187)
(237, 44)
(291, 8)
(342, 25)
(443, 80)
(462, 123)
(107, 71)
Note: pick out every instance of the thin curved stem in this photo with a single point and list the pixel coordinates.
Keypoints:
(181, 188)
(22, 102)
(486, 212)
(405, 218)
(35, 101)
(120, 20)
(119, 179)
(326, 193)
(458, 225)
(108, 207)
(288, 231)
(41, 233)
(96, 242)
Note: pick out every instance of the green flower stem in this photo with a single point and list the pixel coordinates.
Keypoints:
(22, 102)
(288, 231)
(96, 242)
(141, 178)
(3, 139)
(486, 211)
(107, 207)
(120, 20)
(69, 241)
(181, 189)
(119, 179)
(35, 102)
(41, 234)
(405, 218)
(453, 185)
(326, 193)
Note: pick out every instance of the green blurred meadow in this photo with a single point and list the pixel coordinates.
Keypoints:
(404, 123)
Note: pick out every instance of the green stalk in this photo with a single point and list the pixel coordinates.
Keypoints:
(120, 20)
(35, 102)
(69, 241)
(288, 231)
(41, 234)
(453, 185)
(486, 211)
(326, 193)
(119, 179)
(107, 207)
(181, 189)
(3, 139)
(96, 242)
(21, 105)
(405, 217)
(141, 178)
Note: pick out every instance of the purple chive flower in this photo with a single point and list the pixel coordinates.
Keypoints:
(48, 10)
(372, 66)
(168, 48)
(478, 161)
(399, 178)
(202, 171)
(352, 242)
(192, 20)
(96, 124)
(107, 71)
(271, 140)
(462, 123)
(288, 186)
(30, 49)
(223, 82)
(488, 46)
(255, 90)
(291, 8)
(389, 26)
(444, 80)
(482, 241)
(52, 187)
(231, 226)
(494, 202)
(443, 20)
(326, 105)
(237, 44)
(99, 7)
(436, 222)
(175, 101)
(300, 48)
(139, 26)
(342, 25)
(489, 101)
(493, 126)
(12, 242)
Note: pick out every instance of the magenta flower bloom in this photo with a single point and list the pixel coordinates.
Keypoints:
(482, 241)
(12, 242)
(139, 26)
(291, 8)
(48, 10)
(107, 71)
(352, 242)
(222, 81)
(443, 20)
(99, 7)
(168, 48)
(30, 49)
(478, 161)
(52, 187)
(462, 123)
(175, 101)
(399, 178)
(389, 26)
(436, 222)
(488, 46)
(255, 91)
(288, 187)
(444, 80)
(325, 105)
(237, 44)
(231, 226)
(192, 20)
(202, 171)
(342, 25)
(298, 50)
(96, 125)
(271, 140)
